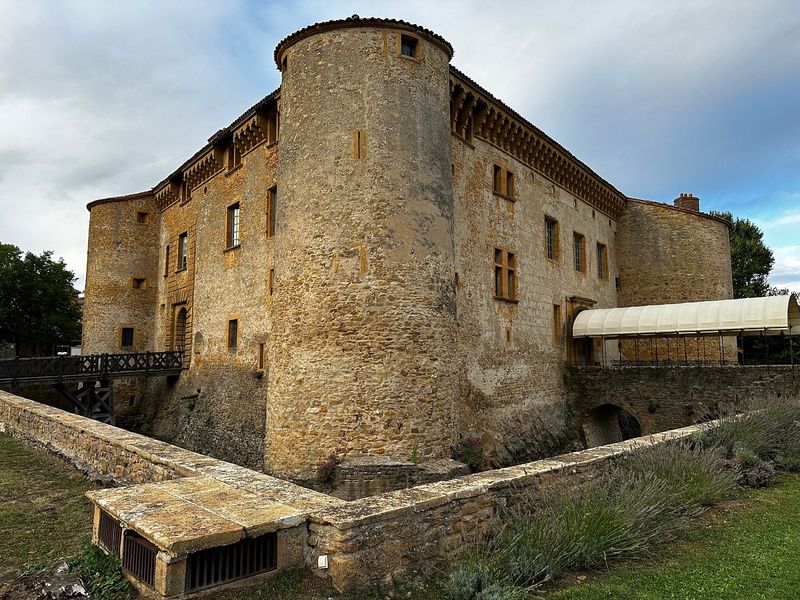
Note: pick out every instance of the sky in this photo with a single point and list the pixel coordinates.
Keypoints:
(658, 97)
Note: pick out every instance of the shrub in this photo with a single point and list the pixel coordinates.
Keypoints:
(753, 471)
(101, 573)
(327, 468)
(470, 452)
(699, 478)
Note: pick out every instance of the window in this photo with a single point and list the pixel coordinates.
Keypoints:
(272, 199)
(261, 356)
(166, 261)
(138, 283)
(126, 337)
(271, 282)
(408, 46)
(234, 157)
(497, 180)
(551, 238)
(505, 275)
(556, 324)
(142, 217)
(186, 192)
(359, 144)
(503, 182)
(602, 261)
(232, 235)
(579, 250)
(183, 251)
(233, 333)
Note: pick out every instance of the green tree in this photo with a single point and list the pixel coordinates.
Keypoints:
(751, 259)
(38, 304)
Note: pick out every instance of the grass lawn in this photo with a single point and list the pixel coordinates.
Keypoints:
(44, 516)
(749, 549)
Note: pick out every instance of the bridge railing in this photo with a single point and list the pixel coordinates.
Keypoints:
(99, 366)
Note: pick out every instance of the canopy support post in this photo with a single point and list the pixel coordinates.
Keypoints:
(721, 351)
(603, 350)
(636, 343)
(791, 348)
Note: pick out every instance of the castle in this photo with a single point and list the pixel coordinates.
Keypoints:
(375, 259)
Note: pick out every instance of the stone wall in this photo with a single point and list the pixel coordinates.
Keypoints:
(663, 398)
(395, 536)
(667, 254)
(121, 248)
(513, 391)
(363, 315)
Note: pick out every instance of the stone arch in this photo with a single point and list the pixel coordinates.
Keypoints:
(608, 423)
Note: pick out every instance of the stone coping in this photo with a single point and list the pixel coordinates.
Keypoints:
(183, 463)
(423, 497)
(194, 513)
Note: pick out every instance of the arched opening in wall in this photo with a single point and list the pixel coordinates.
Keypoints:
(179, 339)
(609, 423)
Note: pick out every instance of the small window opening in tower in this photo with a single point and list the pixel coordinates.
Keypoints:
(408, 46)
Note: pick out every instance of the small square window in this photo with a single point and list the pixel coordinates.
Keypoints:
(142, 217)
(126, 337)
(138, 283)
(408, 46)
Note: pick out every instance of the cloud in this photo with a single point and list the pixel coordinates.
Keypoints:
(786, 271)
(103, 98)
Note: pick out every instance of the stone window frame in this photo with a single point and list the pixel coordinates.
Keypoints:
(602, 261)
(579, 258)
(556, 239)
(271, 208)
(417, 46)
(359, 144)
(166, 260)
(122, 335)
(233, 158)
(142, 217)
(183, 252)
(502, 179)
(233, 222)
(233, 333)
(137, 283)
(506, 279)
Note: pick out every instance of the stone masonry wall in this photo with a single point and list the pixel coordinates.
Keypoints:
(513, 391)
(665, 398)
(671, 255)
(121, 248)
(218, 405)
(363, 315)
(397, 535)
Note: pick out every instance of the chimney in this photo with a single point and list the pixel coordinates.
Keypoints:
(688, 202)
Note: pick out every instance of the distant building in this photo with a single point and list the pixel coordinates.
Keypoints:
(375, 258)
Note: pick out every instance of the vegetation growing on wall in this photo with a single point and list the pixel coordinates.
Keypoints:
(631, 506)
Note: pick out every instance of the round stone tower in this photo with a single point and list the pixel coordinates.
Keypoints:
(363, 308)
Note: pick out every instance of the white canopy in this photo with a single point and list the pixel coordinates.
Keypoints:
(771, 315)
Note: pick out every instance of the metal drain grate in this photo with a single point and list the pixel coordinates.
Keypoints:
(110, 533)
(139, 558)
(246, 558)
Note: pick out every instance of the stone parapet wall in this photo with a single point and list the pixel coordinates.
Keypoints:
(400, 534)
(663, 398)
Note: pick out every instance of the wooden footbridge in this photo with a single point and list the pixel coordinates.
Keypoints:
(94, 374)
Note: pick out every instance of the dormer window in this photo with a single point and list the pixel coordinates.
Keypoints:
(234, 157)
